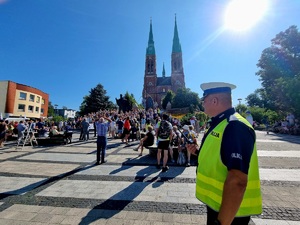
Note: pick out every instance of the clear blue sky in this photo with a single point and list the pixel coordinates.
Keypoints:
(67, 47)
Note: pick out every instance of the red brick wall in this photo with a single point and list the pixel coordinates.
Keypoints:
(10, 98)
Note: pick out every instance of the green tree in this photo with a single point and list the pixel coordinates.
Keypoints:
(280, 72)
(51, 111)
(186, 98)
(95, 101)
(168, 98)
(131, 99)
(241, 108)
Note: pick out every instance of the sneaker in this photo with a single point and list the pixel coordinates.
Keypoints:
(158, 167)
(188, 164)
(164, 169)
(140, 154)
(135, 149)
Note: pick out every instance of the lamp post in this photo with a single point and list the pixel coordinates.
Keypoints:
(55, 109)
(240, 100)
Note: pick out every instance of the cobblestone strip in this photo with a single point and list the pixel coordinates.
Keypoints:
(275, 213)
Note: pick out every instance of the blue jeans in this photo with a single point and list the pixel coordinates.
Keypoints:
(101, 147)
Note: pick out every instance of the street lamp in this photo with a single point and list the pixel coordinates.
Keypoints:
(240, 100)
(55, 109)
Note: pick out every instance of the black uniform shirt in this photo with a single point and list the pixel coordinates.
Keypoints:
(237, 143)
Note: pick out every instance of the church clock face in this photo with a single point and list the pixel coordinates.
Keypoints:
(150, 83)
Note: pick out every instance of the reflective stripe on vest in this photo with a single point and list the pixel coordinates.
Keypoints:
(212, 173)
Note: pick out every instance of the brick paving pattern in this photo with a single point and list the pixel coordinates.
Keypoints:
(61, 185)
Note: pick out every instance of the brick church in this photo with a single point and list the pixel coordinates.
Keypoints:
(155, 88)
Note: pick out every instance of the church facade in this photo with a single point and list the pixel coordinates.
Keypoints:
(155, 87)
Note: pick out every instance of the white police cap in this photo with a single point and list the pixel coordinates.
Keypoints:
(216, 87)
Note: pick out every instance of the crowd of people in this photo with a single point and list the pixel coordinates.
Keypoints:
(142, 125)
(227, 174)
(289, 125)
(19, 127)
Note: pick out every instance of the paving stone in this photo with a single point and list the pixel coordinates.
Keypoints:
(60, 184)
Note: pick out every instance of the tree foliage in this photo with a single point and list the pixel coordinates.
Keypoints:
(280, 72)
(51, 111)
(186, 98)
(130, 98)
(200, 116)
(95, 101)
(241, 108)
(168, 98)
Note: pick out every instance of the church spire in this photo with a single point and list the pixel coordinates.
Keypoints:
(176, 44)
(164, 72)
(150, 49)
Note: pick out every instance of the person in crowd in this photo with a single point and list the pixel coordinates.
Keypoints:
(265, 121)
(227, 173)
(187, 137)
(143, 124)
(85, 130)
(163, 136)
(54, 131)
(176, 141)
(120, 125)
(3, 128)
(146, 141)
(60, 125)
(43, 132)
(9, 129)
(126, 130)
(112, 129)
(94, 125)
(21, 129)
(102, 128)
(291, 119)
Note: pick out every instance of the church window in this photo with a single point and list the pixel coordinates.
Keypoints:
(150, 66)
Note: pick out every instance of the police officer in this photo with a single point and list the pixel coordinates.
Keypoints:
(227, 174)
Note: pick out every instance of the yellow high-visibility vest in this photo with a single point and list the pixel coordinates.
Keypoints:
(212, 173)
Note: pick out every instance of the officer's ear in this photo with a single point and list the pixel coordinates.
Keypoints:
(214, 100)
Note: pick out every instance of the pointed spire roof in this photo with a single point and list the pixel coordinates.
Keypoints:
(150, 49)
(176, 43)
(164, 72)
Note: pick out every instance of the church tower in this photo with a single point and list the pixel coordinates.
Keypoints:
(177, 74)
(150, 78)
(155, 88)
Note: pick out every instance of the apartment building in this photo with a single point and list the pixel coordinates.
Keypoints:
(20, 100)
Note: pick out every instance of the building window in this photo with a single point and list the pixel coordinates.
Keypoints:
(38, 99)
(43, 101)
(31, 98)
(37, 109)
(42, 111)
(30, 108)
(23, 96)
(21, 108)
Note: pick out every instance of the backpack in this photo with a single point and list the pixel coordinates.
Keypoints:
(164, 130)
